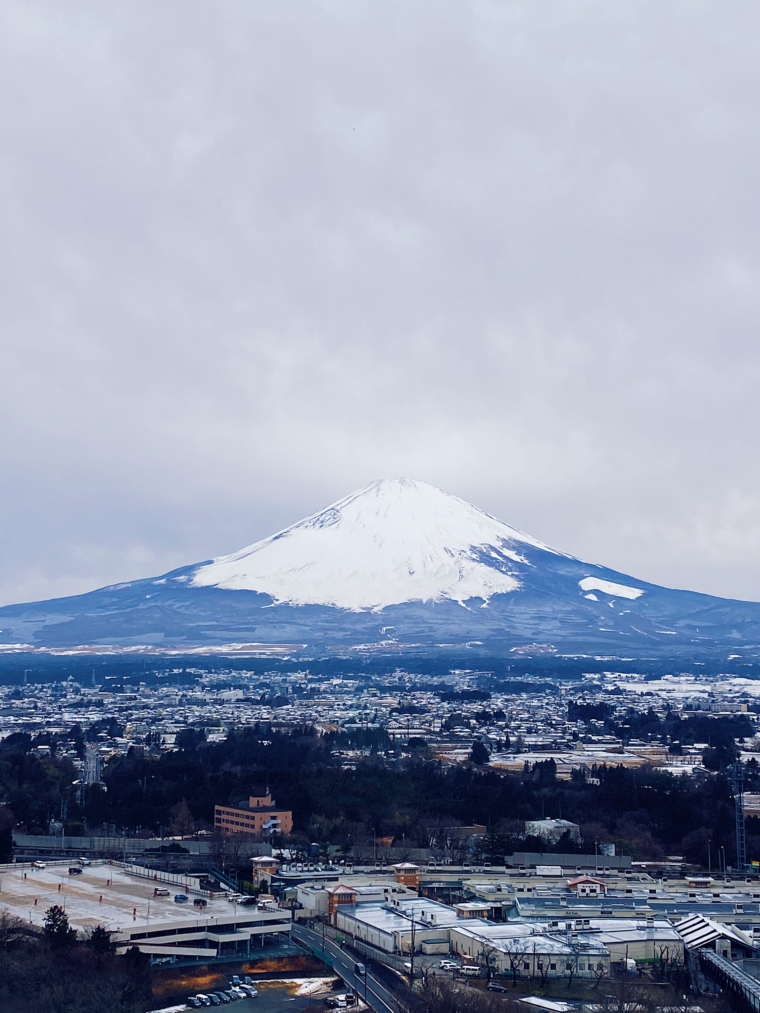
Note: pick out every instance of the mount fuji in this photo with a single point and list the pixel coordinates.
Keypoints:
(396, 564)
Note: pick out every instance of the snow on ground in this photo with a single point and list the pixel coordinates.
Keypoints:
(609, 587)
(306, 986)
(126, 900)
(393, 541)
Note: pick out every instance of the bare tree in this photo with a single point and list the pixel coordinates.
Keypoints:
(542, 966)
(516, 955)
(219, 850)
(668, 962)
(601, 971)
(571, 966)
(488, 955)
(11, 929)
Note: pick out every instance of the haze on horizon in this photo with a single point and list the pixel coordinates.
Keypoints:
(256, 255)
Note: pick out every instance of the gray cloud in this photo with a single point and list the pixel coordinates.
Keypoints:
(258, 254)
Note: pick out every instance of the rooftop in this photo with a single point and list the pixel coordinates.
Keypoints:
(127, 901)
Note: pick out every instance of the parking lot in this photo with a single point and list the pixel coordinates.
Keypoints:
(102, 895)
(273, 997)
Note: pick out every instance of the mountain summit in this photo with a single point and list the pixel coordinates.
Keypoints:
(393, 541)
(398, 564)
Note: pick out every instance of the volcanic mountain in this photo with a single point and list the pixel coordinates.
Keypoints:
(396, 563)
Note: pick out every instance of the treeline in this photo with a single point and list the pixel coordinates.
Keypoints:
(414, 801)
(57, 972)
(717, 734)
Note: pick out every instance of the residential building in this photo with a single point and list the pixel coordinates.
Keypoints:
(259, 816)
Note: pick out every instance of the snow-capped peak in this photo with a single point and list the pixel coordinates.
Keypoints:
(393, 541)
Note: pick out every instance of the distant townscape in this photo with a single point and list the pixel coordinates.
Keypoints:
(550, 830)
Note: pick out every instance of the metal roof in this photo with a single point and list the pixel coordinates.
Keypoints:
(698, 931)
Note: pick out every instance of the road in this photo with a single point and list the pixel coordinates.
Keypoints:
(366, 986)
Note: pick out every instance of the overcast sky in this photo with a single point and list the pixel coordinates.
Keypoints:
(257, 254)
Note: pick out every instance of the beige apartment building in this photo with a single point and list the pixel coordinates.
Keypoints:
(259, 817)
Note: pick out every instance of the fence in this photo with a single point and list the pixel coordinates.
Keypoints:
(189, 884)
(130, 845)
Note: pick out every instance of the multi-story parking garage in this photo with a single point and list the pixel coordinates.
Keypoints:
(138, 906)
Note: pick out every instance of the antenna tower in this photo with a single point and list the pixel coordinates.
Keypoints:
(737, 779)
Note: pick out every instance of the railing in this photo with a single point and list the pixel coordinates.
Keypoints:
(730, 976)
(171, 878)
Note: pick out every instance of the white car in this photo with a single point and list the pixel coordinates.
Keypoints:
(448, 965)
(39, 865)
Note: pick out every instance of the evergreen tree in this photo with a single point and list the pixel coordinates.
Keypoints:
(57, 930)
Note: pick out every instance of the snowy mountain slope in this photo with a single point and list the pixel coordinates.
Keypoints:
(391, 542)
(397, 563)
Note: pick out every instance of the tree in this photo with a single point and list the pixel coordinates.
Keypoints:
(7, 823)
(57, 931)
(11, 929)
(479, 754)
(571, 965)
(488, 954)
(542, 967)
(600, 972)
(515, 955)
(99, 940)
(190, 738)
(183, 819)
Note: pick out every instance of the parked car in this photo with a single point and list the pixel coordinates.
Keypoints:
(215, 1000)
(203, 999)
(75, 871)
(39, 865)
(199, 902)
(470, 972)
(160, 891)
(223, 996)
(249, 990)
(248, 980)
(448, 965)
(494, 986)
(235, 979)
(84, 861)
(193, 1002)
(181, 898)
(232, 996)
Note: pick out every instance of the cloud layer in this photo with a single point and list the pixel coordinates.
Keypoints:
(257, 254)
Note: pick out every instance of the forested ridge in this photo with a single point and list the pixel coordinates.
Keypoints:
(648, 814)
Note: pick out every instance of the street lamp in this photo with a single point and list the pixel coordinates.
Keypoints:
(411, 962)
